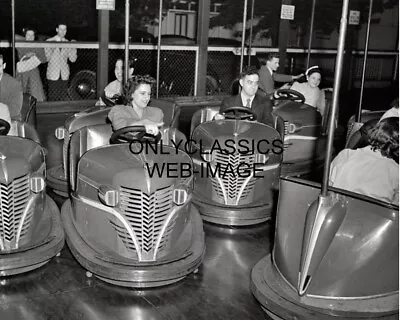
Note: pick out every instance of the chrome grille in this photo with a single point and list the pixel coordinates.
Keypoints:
(13, 199)
(146, 214)
(232, 183)
(67, 137)
(285, 143)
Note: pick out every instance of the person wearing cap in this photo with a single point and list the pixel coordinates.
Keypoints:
(309, 88)
(268, 74)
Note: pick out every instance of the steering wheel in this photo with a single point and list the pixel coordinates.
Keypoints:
(114, 100)
(4, 127)
(289, 94)
(133, 133)
(248, 113)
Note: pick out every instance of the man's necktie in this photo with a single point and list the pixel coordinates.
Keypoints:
(248, 104)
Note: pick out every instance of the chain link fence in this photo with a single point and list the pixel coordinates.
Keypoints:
(76, 64)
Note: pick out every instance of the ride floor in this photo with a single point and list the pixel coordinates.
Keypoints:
(62, 290)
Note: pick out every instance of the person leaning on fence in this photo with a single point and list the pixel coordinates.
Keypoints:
(373, 170)
(58, 69)
(268, 74)
(248, 97)
(137, 93)
(10, 92)
(27, 67)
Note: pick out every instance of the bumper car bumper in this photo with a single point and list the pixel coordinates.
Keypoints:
(230, 215)
(30, 258)
(280, 301)
(135, 274)
(57, 182)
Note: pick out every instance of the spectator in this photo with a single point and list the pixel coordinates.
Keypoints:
(58, 69)
(268, 74)
(314, 96)
(115, 87)
(10, 92)
(27, 67)
(262, 106)
(373, 170)
(137, 93)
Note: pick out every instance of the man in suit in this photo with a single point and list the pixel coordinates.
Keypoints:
(58, 69)
(10, 92)
(268, 74)
(247, 97)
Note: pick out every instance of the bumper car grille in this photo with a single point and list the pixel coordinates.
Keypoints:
(285, 143)
(65, 152)
(147, 214)
(13, 200)
(234, 185)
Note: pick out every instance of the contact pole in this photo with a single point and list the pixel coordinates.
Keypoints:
(336, 88)
(311, 33)
(126, 66)
(159, 47)
(243, 34)
(358, 116)
(251, 32)
(13, 35)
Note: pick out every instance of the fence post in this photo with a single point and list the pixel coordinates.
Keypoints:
(203, 23)
(102, 54)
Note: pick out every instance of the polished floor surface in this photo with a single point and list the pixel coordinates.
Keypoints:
(62, 290)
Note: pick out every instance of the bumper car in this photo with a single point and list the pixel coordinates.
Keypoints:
(335, 258)
(127, 221)
(57, 177)
(335, 252)
(236, 166)
(301, 126)
(30, 225)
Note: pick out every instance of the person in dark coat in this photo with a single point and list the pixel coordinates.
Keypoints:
(248, 97)
(10, 92)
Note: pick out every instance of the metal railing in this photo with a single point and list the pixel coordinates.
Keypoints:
(178, 66)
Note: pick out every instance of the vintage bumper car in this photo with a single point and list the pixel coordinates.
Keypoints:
(30, 225)
(237, 164)
(336, 257)
(301, 126)
(127, 221)
(57, 177)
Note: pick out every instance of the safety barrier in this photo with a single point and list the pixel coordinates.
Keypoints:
(178, 66)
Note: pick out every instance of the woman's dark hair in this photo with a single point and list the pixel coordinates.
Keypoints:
(131, 62)
(385, 138)
(309, 72)
(133, 83)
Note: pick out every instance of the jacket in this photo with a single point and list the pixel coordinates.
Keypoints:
(58, 60)
(261, 106)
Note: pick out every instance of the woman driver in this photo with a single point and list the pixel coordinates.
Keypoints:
(137, 92)
(314, 96)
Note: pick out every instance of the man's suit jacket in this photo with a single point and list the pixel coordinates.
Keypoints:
(11, 95)
(58, 60)
(261, 106)
(267, 81)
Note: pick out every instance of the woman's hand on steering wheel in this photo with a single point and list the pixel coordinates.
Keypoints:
(153, 129)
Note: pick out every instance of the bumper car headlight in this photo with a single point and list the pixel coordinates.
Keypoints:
(261, 158)
(60, 133)
(207, 156)
(180, 196)
(108, 196)
(37, 183)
